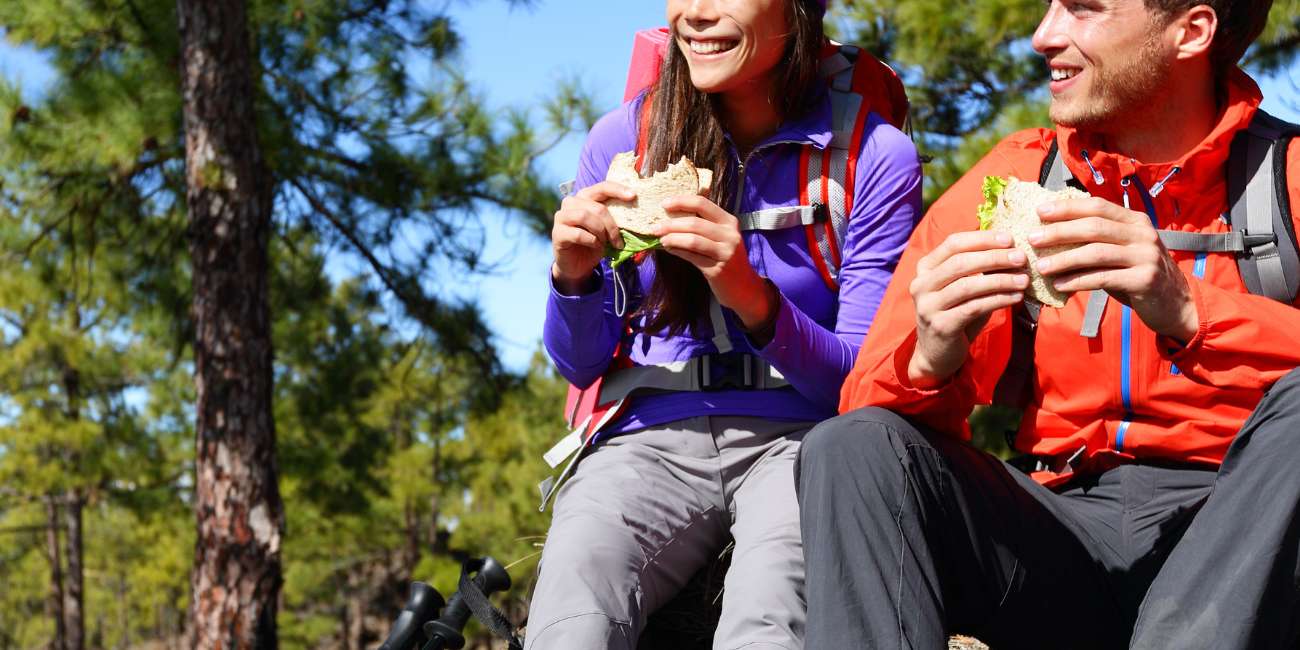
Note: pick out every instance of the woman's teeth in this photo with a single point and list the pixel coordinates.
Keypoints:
(711, 47)
(1060, 74)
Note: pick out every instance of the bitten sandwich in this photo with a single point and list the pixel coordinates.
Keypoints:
(637, 218)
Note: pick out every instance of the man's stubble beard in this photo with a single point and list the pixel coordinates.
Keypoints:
(1121, 94)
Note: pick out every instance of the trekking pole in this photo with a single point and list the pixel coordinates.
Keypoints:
(489, 577)
(423, 604)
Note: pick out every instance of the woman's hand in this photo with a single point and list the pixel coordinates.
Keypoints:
(709, 238)
(581, 229)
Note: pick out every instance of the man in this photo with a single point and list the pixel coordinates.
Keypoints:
(1167, 517)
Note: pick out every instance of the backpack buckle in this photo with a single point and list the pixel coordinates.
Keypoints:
(730, 371)
(1254, 241)
(821, 213)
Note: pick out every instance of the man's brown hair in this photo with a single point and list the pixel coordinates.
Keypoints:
(1240, 23)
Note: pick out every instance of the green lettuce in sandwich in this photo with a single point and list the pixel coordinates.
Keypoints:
(639, 217)
(1011, 206)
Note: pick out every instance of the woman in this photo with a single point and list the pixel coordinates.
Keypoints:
(680, 472)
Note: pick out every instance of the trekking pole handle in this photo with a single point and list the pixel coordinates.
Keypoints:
(423, 605)
(445, 632)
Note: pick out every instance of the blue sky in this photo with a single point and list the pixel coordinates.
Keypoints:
(515, 56)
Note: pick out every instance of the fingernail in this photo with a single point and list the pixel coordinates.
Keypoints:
(1046, 209)
(1016, 257)
(1022, 281)
(1043, 264)
(1035, 237)
(1004, 239)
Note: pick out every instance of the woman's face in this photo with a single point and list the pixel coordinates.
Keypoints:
(729, 44)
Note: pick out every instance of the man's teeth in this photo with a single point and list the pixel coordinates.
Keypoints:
(711, 47)
(1059, 74)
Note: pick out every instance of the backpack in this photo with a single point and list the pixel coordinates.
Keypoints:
(858, 84)
(1261, 234)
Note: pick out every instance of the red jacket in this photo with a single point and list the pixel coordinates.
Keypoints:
(1127, 393)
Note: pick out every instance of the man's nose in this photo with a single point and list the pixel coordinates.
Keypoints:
(1050, 35)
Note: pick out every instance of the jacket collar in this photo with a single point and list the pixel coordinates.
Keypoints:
(1200, 168)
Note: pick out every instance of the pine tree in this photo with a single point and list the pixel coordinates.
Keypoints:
(375, 162)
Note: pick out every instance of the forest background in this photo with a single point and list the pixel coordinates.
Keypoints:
(412, 148)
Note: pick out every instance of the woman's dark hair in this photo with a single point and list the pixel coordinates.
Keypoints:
(685, 121)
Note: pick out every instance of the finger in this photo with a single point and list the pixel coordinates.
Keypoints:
(974, 287)
(963, 242)
(969, 264)
(604, 191)
(594, 218)
(960, 318)
(1091, 256)
(1085, 230)
(1091, 206)
(692, 243)
(565, 236)
(708, 229)
(699, 206)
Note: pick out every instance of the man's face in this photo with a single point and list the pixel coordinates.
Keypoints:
(1108, 61)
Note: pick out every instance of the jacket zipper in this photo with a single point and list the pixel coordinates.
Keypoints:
(1126, 323)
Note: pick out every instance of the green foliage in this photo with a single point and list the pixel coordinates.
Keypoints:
(376, 142)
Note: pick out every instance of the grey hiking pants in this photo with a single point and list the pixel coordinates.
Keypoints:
(910, 535)
(646, 510)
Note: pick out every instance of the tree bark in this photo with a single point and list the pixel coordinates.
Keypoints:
(236, 576)
(56, 572)
(74, 598)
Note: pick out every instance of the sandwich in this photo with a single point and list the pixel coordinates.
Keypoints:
(1011, 206)
(638, 218)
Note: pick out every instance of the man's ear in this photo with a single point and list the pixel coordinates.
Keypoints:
(1194, 31)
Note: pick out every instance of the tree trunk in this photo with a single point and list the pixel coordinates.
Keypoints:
(74, 598)
(236, 576)
(56, 572)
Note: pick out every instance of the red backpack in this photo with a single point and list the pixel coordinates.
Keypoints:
(859, 84)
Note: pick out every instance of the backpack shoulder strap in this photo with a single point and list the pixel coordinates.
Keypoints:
(858, 84)
(1261, 208)
(1053, 174)
(1016, 385)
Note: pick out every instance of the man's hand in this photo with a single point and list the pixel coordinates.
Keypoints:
(1120, 253)
(958, 285)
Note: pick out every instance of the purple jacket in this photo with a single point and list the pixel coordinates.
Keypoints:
(817, 331)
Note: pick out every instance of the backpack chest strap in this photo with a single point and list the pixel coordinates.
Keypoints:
(1222, 242)
(781, 218)
(709, 372)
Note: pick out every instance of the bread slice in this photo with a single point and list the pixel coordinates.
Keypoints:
(643, 213)
(1015, 212)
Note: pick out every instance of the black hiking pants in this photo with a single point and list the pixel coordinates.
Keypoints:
(910, 536)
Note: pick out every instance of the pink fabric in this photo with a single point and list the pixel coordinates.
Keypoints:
(648, 48)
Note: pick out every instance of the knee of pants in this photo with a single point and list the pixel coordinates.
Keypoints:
(1280, 406)
(860, 441)
(584, 630)
(589, 576)
(1289, 385)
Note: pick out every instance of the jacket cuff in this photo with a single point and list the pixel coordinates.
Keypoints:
(1174, 350)
(783, 330)
(597, 284)
(902, 359)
